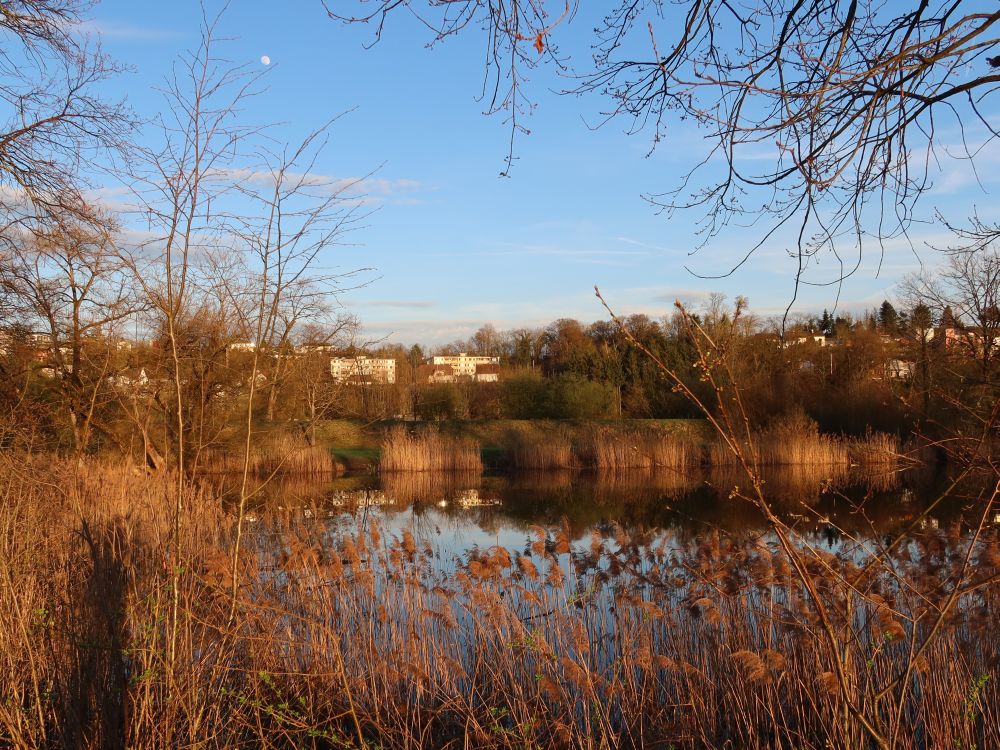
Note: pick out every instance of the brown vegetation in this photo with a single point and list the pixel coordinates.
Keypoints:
(273, 453)
(539, 446)
(874, 449)
(613, 449)
(796, 441)
(791, 441)
(427, 450)
(713, 644)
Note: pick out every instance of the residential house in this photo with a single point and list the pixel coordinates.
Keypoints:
(435, 374)
(488, 373)
(968, 341)
(900, 369)
(363, 370)
(464, 365)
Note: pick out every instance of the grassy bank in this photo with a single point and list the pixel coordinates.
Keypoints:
(113, 635)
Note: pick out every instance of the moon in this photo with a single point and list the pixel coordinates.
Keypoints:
(265, 60)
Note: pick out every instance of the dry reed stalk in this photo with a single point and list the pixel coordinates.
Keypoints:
(542, 447)
(875, 449)
(615, 449)
(709, 642)
(278, 453)
(428, 450)
(796, 441)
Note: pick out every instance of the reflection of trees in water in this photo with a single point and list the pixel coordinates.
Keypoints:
(864, 502)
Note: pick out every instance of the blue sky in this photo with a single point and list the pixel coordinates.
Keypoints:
(453, 245)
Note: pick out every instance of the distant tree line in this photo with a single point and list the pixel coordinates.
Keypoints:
(891, 368)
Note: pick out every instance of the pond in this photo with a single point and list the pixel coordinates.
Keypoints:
(638, 610)
(457, 513)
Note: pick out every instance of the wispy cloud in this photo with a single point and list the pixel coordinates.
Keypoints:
(366, 184)
(413, 304)
(591, 256)
(654, 249)
(353, 190)
(112, 199)
(126, 31)
(422, 331)
(685, 296)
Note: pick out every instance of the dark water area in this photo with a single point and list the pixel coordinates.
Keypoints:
(458, 513)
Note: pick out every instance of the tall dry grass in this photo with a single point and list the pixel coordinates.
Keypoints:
(550, 446)
(365, 639)
(796, 441)
(792, 441)
(874, 449)
(539, 447)
(614, 449)
(273, 453)
(428, 450)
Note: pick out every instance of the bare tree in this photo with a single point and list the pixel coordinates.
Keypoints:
(312, 381)
(54, 119)
(823, 114)
(301, 216)
(180, 186)
(968, 286)
(70, 281)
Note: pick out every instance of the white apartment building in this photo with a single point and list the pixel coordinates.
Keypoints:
(363, 370)
(464, 365)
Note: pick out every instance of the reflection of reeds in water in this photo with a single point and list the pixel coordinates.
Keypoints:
(428, 487)
(546, 482)
(784, 482)
(360, 640)
(806, 482)
(428, 450)
(642, 484)
(876, 477)
(278, 453)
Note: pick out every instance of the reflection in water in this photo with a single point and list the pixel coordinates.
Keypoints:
(625, 611)
(460, 510)
(472, 499)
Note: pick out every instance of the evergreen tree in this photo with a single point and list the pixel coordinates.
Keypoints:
(888, 318)
(826, 323)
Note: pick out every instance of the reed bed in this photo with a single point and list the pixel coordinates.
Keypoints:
(112, 635)
(602, 448)
(874, 449)
(607, 449)
(539, 448)
(428, 450)
(796, 441)
(278, 453)
(792, 441)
